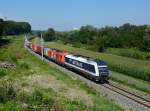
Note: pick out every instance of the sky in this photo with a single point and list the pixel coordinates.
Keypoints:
(65, 15)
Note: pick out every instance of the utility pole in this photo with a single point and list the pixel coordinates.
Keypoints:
(26, 40)
(42, 45)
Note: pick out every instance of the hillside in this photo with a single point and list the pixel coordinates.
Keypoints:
(131, 72)
(34, 85)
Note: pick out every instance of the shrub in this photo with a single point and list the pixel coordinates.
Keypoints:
(7, 91)
(13, 58)
(23, 65)
(2, 72)
(40, 99)
(11, 106)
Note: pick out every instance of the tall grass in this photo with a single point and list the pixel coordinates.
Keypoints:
(3, 72)
(131, 52)
(128, 66)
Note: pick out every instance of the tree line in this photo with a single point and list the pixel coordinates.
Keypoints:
(98, 39)
(10, 27)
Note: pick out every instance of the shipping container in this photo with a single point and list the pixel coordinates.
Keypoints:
(51, 54)
(34, 47)
(46, 51)
(39, 49)
(60, 56)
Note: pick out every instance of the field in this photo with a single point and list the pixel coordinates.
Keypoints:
(34, 85)
(130, 52)
(136, 68)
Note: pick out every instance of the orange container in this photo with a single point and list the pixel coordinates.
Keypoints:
(60, 56)
(39, 49)
(33, 46)
(50, 53)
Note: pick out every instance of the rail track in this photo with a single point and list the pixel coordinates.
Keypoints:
(128, 94)
(131, 96)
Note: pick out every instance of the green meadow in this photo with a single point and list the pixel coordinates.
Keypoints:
(35, 85)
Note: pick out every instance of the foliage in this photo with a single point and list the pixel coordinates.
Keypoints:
(23, 64)
(49, 35)
(4, 42)
(13, 28)
(1, 26)
(7, 91)
(11, 106)
(2, 72)
(99, 39)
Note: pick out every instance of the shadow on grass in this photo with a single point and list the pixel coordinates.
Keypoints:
(4, 42)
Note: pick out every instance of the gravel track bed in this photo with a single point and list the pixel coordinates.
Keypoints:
(124, 102)
(131, 90)
(130, 80)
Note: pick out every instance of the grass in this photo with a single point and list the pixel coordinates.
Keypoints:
(2, 72)
(136, 84)
(24, 88)
(128, 66)
(130, 52)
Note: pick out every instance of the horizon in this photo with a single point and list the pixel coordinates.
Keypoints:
(68, 15)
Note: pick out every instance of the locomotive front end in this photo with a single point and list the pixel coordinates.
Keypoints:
(103, 70)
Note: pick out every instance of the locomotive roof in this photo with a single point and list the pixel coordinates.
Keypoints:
(87, 59)
(100, 62)
(82, 59)
(57, 50)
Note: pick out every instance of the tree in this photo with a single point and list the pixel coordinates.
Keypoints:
(86, 34)
(125, 36)
(49, 35)
(1, 27)
(15, 28)
(146, 39)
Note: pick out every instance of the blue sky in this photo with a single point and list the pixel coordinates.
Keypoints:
(70, 14)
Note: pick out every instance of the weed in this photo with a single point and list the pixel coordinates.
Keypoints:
(23, 65)
(7, 91)
(3, 72)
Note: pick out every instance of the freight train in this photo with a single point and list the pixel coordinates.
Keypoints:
(94, 69)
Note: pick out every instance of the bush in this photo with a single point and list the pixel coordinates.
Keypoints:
(13, 58)
(40, 99)
(49, 35)
(2, 72)
(7, 91)
(23, 65)
(11, 106)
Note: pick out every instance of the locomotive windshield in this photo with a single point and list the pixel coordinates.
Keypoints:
(102, 67)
